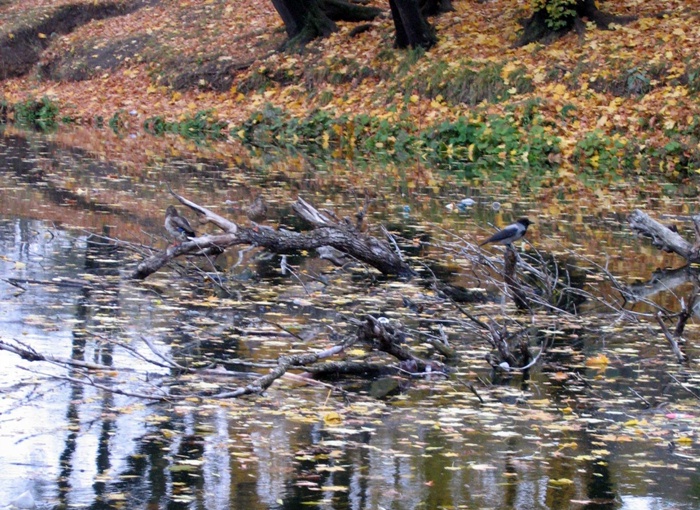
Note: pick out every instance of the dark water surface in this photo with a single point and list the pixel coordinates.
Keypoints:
(623, 434)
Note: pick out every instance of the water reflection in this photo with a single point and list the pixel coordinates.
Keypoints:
(550, 443)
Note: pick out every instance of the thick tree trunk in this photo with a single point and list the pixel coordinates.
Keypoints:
(433, 7)
(538, 26)
(340, 10)
(412, 29)
(304, 20)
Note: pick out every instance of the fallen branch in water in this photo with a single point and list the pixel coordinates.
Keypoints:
(664, 237)
(672, 339)
(339, 234)
(284, 363)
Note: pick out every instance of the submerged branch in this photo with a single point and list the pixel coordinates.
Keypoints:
(671, 339)
(29, 354)
(284, 363)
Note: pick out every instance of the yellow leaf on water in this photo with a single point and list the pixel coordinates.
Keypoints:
(561, 481)
(332, 419)
(599, 361)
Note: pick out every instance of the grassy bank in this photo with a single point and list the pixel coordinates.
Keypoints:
(612, 106)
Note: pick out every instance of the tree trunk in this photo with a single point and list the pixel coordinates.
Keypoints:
(412, 29)
(340, 10)
(542, 27)
(434, 7)
(304, 20)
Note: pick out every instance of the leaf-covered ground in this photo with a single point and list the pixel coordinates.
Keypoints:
(613, 107)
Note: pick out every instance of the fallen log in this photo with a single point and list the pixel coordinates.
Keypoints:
(341, 235)
(666, 238)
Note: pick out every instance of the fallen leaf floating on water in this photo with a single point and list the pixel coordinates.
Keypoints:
(332, 419)
(599, 361)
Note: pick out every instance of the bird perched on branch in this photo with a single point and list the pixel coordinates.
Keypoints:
(178, 225)
(510, 234)
(257, 211)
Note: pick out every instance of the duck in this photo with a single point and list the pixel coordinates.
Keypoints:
(178, 225)
(257, 211)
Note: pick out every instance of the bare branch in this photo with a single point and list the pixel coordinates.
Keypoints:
(672, 340)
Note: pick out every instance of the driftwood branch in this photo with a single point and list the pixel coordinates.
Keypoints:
(209, 216)
(328, 232)
(510, 261)
(337, 368)
(662, 237)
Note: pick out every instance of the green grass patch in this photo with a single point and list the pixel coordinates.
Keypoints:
(495, 146)
(198, 127)
(41, 114)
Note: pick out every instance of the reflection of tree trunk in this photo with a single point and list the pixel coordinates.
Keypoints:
(662, 280)
(66, 458)
(104, 452)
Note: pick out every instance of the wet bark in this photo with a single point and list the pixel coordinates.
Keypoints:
(385, 336)
(673, 339)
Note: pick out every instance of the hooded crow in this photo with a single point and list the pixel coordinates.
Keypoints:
(510, 234)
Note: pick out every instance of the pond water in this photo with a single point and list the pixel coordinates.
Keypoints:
(615, 434)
